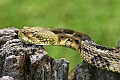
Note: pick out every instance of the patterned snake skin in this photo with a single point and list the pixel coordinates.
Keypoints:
(94, 54)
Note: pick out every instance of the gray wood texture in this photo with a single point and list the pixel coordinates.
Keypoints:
(19, 61)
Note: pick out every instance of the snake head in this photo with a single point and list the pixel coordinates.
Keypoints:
(37, 36)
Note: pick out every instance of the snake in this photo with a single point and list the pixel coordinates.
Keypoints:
(91, 52)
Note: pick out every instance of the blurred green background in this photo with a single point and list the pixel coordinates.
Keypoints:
(100, 19)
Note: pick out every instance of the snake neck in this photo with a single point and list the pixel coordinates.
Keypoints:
(97, 55)
(77, 40)
(70, 38)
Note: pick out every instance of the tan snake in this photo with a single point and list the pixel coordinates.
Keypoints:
(94, 54)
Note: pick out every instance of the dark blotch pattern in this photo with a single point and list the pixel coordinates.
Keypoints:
(103, 66)
(61, 37)
(78, 35)
(76, 41)
(68, 31)
(79, 48)
(82, 36)
(70, 40)
(101, 47)
(93, 60)
(100, 59)
(107, 62)
(57, 31)
(84, 49)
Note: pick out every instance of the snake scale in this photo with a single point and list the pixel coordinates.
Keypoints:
(96, 55)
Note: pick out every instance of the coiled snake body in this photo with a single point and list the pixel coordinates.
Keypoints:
(94, 54)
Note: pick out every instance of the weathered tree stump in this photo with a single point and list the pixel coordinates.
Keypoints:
(19, 61)
(86, 71)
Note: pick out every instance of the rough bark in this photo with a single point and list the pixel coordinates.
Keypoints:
(86, 71)
(30, 62)
(27, 62)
